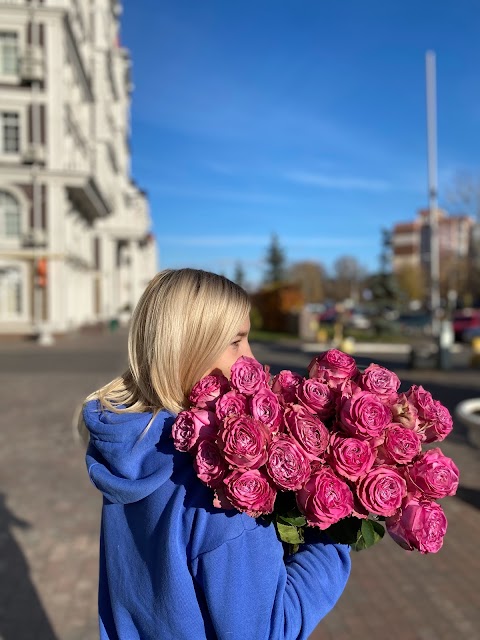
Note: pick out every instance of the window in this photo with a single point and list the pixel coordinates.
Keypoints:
(8, 53)
(9, 216)
(10, 293)
(10, 132)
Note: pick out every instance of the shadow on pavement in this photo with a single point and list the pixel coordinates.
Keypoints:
(468, 495)
(22, 616)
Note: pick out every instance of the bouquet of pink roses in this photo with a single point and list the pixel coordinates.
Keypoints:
(340, 450)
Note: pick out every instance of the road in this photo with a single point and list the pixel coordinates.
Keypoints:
(49, 512)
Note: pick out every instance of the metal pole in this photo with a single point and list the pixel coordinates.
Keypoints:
(43, 335)
(433, 190)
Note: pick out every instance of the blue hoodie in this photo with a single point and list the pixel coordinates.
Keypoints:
(172, 567)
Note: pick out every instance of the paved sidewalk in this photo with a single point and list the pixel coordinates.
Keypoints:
(49, 512)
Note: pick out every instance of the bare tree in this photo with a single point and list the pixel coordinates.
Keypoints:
(310, 277)
(348, 274)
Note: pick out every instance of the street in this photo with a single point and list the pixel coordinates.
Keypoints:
(49, 512)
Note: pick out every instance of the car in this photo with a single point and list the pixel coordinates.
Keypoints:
(463, 320)
(469, 334)
(414, 324)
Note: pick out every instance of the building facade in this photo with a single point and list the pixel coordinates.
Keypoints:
(76, 246)
(411, 240)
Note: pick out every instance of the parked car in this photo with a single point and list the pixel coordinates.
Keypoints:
(414, 324)
(464, 320)
(469, 334)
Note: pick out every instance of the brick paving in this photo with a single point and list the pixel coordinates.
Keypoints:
(49, 512)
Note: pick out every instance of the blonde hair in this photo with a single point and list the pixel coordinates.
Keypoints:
(184, 320)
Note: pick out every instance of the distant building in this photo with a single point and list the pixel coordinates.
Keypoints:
(76, 245)
(410, 240)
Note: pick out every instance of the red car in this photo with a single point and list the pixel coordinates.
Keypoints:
(465, 319)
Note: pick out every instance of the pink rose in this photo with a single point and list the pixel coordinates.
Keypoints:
(287, 463)
(247, 376)
(339, 366)
(250, 491)
(380, 381)
(435, 475)
(364, 415)
(441, 426)
(308, 431)
(265, 408)
(421, 525)
(401, 445)
(351, 457)
(231, 403)
(207, 391)
(192, 425)
(325, 499)
(404, 412)
(425, 405)
(318, 397)
(209, 464)
(285, 385)
(382, 490)
(243, 442)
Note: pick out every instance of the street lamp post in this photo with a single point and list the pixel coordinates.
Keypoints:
(441, 328)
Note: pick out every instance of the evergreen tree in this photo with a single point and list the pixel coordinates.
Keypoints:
(275, 262)
(239, 275)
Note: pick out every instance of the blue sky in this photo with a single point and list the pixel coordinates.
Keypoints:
(301, 117)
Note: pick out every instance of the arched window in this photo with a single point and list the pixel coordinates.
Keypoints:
(9, 215)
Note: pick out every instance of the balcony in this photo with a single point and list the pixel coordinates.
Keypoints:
(86, 196)
(31, 65)
(34, 154)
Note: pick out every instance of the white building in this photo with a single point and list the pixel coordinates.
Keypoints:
(75, 240)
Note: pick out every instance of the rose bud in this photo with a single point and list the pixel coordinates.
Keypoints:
(441, 426)
(250, 491)
(285, 385)
(192, 425)
(425, 406)
(420, 525)
(248, 376)
(382, 490)
(380, 381)
(243, 442)
(405, 413)
(287, 463)
(434, 474)
(308, 431)
(325, 499)
(206, 392)
(339, 366)
(209, 464)
(364, 415)
(231, 403)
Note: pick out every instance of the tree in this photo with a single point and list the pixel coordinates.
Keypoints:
(239, 275)
(275, 261)
(411, 281)
(348, 274)
(310, 276)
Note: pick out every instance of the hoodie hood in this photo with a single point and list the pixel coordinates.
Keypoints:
(125, 461)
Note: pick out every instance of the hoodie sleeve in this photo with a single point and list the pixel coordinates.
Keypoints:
(250, 591)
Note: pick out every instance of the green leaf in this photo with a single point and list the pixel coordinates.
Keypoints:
(368, 533)
(296, 521)
(379, 530)
(289, 534)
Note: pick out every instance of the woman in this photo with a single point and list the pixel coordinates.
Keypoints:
(172, 567)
